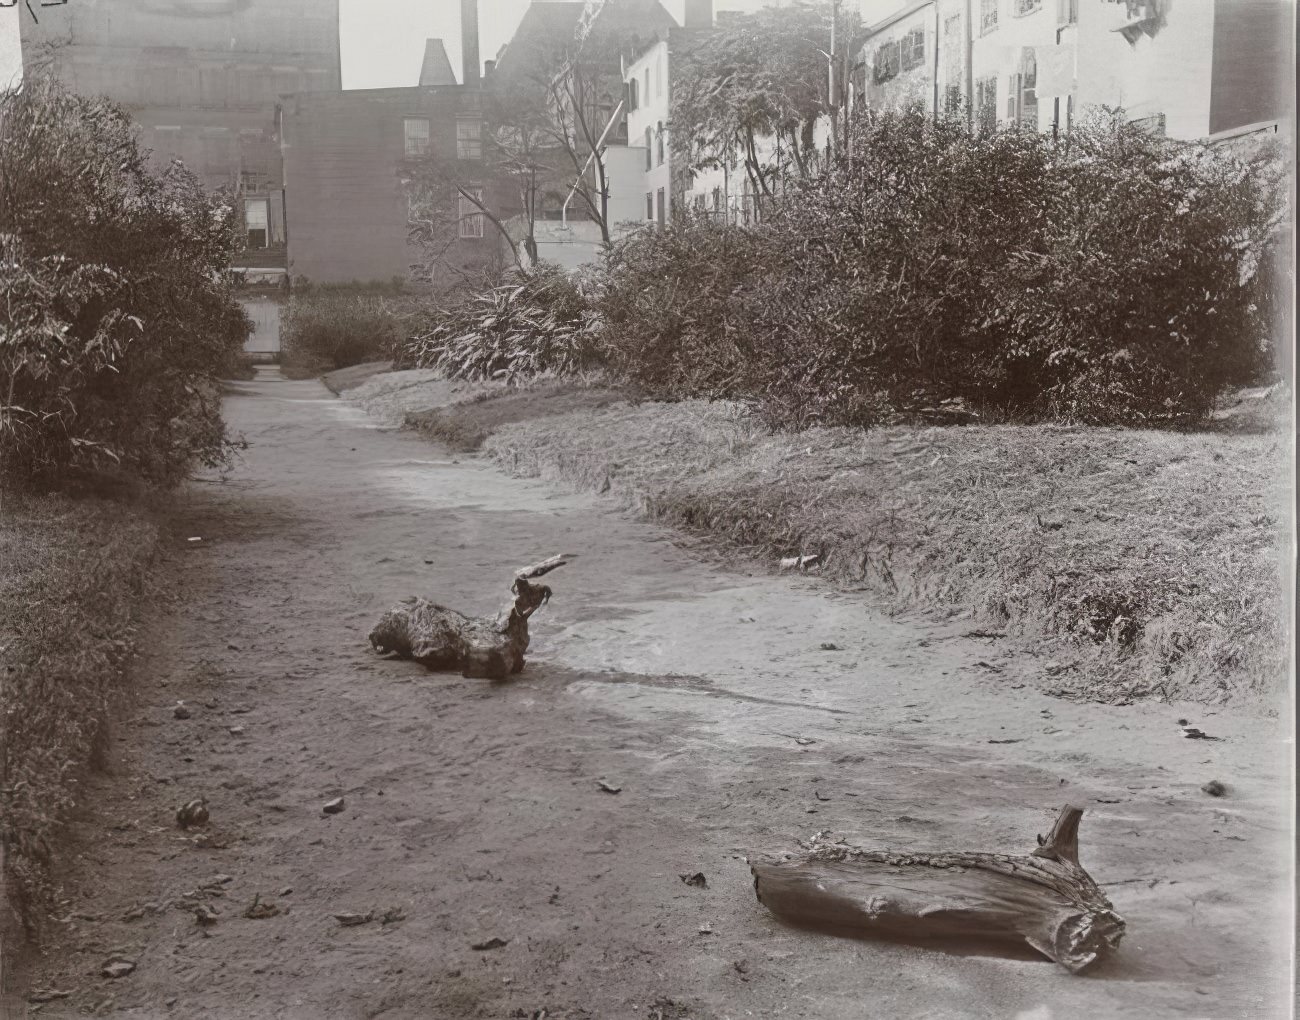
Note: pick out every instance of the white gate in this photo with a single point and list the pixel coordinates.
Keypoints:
(264, 341)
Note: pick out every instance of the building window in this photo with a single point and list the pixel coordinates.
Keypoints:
(1013, 99)
(659, 143)
(649, 148)
(416, 130)
(469, 138)
(988, 16)
(632, 95)
(717, 200)
(951, 24)
(1028, 112)
(660, 212)
(649, 205)
(952, 99)
(1067, 12)
(913, 49)
(471, 219)
(659, 75)
(986, 98)
(1020, 8)
(647, 84)
(256, 222)
(885, 66)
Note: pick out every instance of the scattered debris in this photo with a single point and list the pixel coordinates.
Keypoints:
(393, 916)
(608, 787)
(989, 666)
(695, 879)
(195, 538)
(181, 711)
(492, 943)
(235, 731)
(820, 796)
(205, 915)
(1214, 788)
(117, 967)
(259, 911)
(831, 646)
(194, 812)
(800, 562)
(706, 929)
(1045, 898)
(1192, 733)
(48, 995)
(981, 633)
(333, 807)
(1008, 740)
(441, 638)
(804, 741)
(1107, 800)
(353, 920)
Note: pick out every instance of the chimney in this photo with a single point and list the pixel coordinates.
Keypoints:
(469, 43)
(699, 14)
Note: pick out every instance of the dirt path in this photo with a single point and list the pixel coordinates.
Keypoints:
(474, 807)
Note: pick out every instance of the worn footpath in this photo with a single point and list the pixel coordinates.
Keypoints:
(736, 712)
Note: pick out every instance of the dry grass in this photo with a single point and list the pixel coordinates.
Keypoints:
(71, 572)
(466, 426)
(1155, 558)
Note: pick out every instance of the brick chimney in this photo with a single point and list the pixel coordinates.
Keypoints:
(469, 43)
(699, 14)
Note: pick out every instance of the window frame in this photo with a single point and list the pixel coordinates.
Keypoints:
(469, 147)
(417, 151)
(911, 50)
(988, 16)
(470, 226)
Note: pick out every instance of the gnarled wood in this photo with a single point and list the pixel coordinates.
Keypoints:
(1045, 899)
(440, 638)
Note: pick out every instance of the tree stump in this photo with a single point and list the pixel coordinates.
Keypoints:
(443, 639)
(1045, 899)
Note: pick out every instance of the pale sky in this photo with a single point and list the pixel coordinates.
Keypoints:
(11, 56)
(383, 40)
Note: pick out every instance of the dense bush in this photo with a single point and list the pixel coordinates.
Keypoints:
(342, 327)
(534, 325)
(1107, 278)
(116, 311)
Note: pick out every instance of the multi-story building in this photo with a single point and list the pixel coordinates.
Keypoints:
(202, 79)
(1189, 70)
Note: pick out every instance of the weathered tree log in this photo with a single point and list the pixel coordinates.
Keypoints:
(1045, 899)
(443, 639)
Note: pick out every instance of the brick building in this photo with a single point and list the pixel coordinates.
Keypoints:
(202, 79)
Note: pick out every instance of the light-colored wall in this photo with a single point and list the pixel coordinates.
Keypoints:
(11, 50)
(1167, 73)
(652, 110)
(910, 87)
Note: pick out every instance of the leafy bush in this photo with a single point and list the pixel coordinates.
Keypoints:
(1107, 278)
(117, 316)
(341, 328)
(522, 329)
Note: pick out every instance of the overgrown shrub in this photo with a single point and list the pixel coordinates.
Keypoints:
(534, 325)
(117, 316)
(343, 327)
(1109, 277)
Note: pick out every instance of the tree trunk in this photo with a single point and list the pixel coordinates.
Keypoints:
(443, 639)
(1044, 899)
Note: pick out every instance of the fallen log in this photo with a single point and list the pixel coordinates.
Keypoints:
(443, 639)
(1045, 899)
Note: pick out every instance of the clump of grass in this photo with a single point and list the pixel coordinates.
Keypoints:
(1153, 557)
(465, 426)
(71, 573)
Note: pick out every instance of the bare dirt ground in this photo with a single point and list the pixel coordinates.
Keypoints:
(710, 696)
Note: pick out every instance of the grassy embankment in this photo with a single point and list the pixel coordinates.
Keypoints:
(1148, 563)
(72, 572)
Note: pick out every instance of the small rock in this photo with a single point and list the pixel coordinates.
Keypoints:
(1192, 733)
(830, 646)
(205, 915)
(706, 929)
(286, 891)
(181, 711)
(697, 880)
(492, 943)
(393, 916)
(353, 920)
(1214, 788)
(333, 807)
(235, 731)
(608, 787)
(117, 968)
(194, 812)
(804, 741)
(234, 647)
